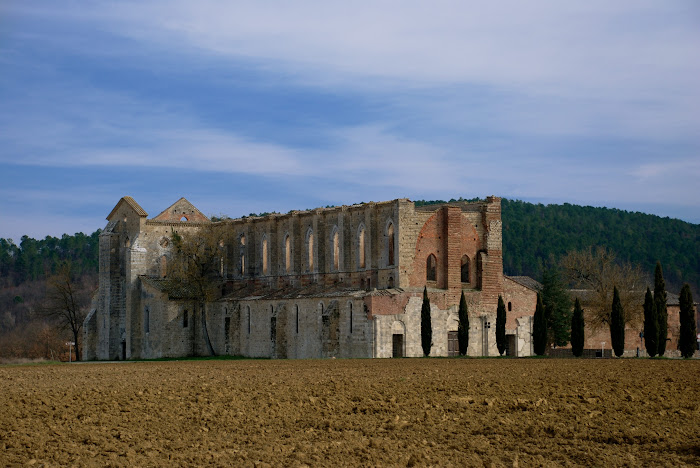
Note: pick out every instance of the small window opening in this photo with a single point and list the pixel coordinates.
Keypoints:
(510, 306)
(248, 309)
(147, 320)
(184, 218)
(185, 318)
(431, 268)
(297, 318)
(351, 317)
(465, 269)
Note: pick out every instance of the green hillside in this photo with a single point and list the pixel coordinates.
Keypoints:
(535, 235)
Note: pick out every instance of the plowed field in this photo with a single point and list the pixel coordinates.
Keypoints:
(401, 412)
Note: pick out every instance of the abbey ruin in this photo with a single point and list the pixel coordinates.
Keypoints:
(330, 282)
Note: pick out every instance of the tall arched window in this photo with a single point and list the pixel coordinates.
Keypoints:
(390, 240)
(287, 254)
(264, 255)
(431, 268)
(361, 247)
(222, 261)
(310, 249)
(465, 269)
(242, 247)
(336, 249)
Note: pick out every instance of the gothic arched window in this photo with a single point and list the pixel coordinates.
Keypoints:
(390, 240)
(431, 268)
(465, 269)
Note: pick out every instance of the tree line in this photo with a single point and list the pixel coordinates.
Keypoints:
(34, 260)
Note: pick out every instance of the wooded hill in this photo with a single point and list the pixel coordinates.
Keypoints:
(536, 236)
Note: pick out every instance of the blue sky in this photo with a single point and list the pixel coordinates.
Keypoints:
(271, 106)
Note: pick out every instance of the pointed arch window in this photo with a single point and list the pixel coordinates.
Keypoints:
(287, 253)
(361, 247)
(465, 269)
(310, 249)
(242, 251)
(335, 249)
(264, 256)
(390, 240)
(431, 268)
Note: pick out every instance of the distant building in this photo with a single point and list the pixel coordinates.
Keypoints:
(329, 282)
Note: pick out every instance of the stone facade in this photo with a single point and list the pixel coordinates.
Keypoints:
(330, 282)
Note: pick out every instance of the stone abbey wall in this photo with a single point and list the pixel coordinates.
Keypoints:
(331, 282)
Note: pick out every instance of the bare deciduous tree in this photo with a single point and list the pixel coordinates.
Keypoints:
(197, 267)
(598, 272)
(67, 302)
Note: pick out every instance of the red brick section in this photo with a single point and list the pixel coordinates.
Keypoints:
(522, 301)
(386, 305)
(449, 236)
(492, 273)
(453, 237)
(429, 242)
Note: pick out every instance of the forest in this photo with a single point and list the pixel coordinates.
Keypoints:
(535, 238)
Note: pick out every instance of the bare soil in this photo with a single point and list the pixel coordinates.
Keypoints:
(394, 412)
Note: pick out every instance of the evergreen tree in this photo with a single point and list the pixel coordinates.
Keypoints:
(557, 304)
(539, 328)
(426, 326)
(660, 300)
(651, 325)
(501, 326)
(687, 341)
(577, 327)
(617, 325)
(463, 328)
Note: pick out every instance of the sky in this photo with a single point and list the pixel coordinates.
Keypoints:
(248, 106)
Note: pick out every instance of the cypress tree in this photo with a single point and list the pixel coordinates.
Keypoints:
(426, 326)
(463, 328)
(686, 341)
(539, 328)
(617, 325)
(577, 334)
(501, 326)
(557, 305)
(651, 325)
(660, 300)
